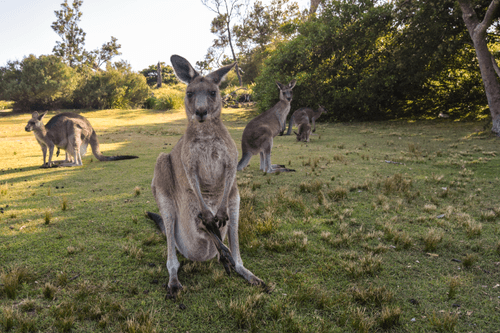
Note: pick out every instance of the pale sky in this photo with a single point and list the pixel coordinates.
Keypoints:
(148, 30)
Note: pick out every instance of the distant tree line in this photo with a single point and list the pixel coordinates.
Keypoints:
(361, 59)
(72, 77)
(365, 59)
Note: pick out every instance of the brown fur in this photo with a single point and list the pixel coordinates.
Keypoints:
(298, 115)
(68, 131)
(195, 184)
(259, 133)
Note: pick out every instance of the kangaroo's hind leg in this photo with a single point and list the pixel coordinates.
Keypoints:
(233, 210)
(168, 209)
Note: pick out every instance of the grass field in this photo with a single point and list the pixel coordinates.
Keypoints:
(384, 227)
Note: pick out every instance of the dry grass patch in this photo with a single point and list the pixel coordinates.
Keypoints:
(444, 322)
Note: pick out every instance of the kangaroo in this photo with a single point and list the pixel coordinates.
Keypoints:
(68, 131)
(259, 133)
(195, 184)
(313, 115)
(304, 127)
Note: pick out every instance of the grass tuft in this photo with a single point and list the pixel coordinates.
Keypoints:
(49, 291)
(389, 317)
(64, 204)
(137, 191)
(444, 322)
(432, 239)
(48, 217)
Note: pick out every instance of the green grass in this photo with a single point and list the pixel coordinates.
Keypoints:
(384, 226)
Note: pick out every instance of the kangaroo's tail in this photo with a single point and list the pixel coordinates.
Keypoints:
(158, 220)
(290, 124)
(244, 161)
(94, 143)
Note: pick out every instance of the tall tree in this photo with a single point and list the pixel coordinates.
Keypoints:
(226, 11)
(477, 31)
(71, 48)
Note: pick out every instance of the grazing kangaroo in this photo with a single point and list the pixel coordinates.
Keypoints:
(304, 127)
(68, 131)
(259, 133)
(313, 115)
(195, 184)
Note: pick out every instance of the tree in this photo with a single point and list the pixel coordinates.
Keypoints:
(73, 37)
(477, 31)
(71, 48)
(263, 26)
(226, 11)
(167, 74)
(37, 83)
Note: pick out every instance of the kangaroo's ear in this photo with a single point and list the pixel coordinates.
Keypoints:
(295, 133)
(280, 86)
(34, 114)
(42, 115)
(292, 84)
(219, 75)
(183, 69)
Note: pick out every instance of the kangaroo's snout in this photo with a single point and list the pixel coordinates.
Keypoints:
(201, 115)
(27, 128)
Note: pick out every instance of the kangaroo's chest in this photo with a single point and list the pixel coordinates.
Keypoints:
(210, 159)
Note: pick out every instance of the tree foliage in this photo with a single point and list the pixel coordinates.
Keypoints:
(167, 74)
(369, 59)
(39, 83)
(71, 48)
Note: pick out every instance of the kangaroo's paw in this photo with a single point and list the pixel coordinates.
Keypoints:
(173, 290)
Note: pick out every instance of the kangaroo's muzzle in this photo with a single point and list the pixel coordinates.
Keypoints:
(201, 115)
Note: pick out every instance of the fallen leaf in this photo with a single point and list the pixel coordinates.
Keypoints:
(432, 255)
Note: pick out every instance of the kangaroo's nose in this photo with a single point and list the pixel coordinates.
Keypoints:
(202, 114)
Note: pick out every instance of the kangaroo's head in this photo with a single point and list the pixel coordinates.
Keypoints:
(35, 122)
(286, 91)
(304, 132)
(202, 100)
(322, 110)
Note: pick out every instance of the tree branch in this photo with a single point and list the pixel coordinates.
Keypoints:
(488, 18)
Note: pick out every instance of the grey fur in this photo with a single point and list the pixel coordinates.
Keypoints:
(68, 131)
(259, 133)
(195, 184)
(311, 114)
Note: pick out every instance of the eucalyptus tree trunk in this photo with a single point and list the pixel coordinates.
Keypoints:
(477, 32)
(158, 76)
(236, 68)
(314, 6)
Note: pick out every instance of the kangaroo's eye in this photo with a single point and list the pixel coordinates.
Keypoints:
(189, 94)
(213, 93)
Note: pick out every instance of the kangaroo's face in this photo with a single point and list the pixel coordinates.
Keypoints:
(322, 110)
(35, 121)
(286, 93)
(202, 101)
(304, 133)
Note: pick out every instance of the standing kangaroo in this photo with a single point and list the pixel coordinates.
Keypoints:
(195, 184)
(311, 114)
(259, 133)
(70, 132)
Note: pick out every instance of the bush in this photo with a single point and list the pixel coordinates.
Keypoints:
(39, 83)
(116, 88)
(167, 98)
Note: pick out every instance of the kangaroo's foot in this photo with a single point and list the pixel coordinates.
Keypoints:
(279, 168)
(172, 290)
(46, 166)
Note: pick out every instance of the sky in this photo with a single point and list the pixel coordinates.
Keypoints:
(148, 30)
